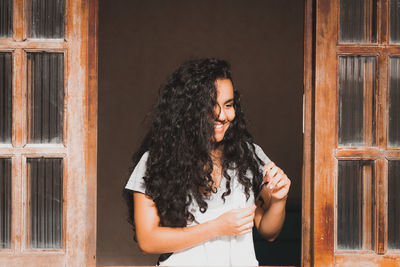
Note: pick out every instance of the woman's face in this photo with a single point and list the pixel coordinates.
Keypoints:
(224, 111)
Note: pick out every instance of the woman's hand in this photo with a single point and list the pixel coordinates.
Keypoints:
(236, 222)
(278, 182)
(269, 218)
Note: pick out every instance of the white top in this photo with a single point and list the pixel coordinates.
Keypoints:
(219, 251)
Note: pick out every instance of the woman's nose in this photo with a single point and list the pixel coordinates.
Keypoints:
(221, 115)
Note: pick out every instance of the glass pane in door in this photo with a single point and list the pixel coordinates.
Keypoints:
(5, 97)
(47, 19)
(394, 23)
(358, 21)
(394, 102)
(355, 201)
(5, 203)
(357, 78)
(46, 202)
(46, 88)
(394, 204)
(6, 10)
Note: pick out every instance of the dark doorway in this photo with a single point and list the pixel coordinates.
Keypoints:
(142, 42)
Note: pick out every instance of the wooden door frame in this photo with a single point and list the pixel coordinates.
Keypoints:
(307, 192)
(320, 121)
(308, 145)
(92, 56)
(308, 156)
(80, 210)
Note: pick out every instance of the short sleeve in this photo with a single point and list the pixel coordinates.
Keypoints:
(260, 153)
(136, 181)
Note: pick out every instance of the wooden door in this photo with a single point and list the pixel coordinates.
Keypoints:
(355, 148)
(47, 133)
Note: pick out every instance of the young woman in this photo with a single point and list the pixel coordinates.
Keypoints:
(198, 185)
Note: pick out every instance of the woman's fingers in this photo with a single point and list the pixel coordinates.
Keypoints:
(281, 183)
(237, 221)
(278, 182)
(246, 222)
(274, 171)
(246, 219)
(281, 190)
(269, 165)
(271, 171)
(245, 212)
(246, 227)
(276, 179)
(267, 170)
(245, 231)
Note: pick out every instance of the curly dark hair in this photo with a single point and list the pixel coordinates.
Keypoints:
(181, 138)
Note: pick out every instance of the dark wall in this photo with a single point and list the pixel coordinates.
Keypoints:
(142, 42)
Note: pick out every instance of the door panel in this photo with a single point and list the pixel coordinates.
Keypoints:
(44, 129)
(356, 133)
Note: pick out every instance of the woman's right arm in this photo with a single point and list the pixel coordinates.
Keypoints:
(155, 239)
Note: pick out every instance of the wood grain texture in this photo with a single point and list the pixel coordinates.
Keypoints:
(92, 131)
(79, 199)
(308, 108)
(327, 153)
(325, 131)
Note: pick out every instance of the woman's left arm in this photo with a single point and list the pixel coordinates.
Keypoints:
(270, 216)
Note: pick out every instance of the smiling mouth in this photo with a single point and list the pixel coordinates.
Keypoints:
(219, 127)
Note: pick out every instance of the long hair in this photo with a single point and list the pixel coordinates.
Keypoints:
(181, 138)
